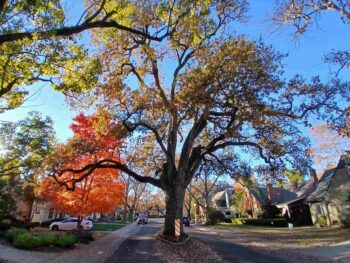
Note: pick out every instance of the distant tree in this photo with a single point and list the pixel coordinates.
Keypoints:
(133, 193)
(327, 147)
(102, 191)
(206, 183)
(294, 177)
(24, 146)
(303, 14)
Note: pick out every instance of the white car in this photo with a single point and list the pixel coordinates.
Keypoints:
(71, 224)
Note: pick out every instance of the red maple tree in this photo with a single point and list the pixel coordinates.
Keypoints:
(102, 191)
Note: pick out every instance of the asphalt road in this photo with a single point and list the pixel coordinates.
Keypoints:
(139, 246)
(231, 252)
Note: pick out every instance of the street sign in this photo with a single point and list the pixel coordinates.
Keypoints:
(177, 227)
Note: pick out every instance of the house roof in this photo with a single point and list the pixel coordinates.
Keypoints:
(285, 194)
(221, 195)
(321, 187)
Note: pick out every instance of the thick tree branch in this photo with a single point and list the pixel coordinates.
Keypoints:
(105, 163)
(71, 30)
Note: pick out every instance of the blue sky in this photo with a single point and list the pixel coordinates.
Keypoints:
(305, 58)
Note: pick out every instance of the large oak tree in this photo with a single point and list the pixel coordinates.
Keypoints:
(196, 93)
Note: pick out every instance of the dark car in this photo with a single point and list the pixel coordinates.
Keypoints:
(186, 221)
(142, 220)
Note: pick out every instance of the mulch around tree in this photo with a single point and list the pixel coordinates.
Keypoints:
(192, 251)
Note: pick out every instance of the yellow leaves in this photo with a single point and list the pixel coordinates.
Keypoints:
(123, 11)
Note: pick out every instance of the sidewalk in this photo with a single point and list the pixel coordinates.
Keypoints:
(97, 251)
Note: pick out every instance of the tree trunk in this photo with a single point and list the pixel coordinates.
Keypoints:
(80, 218)
(174, 208)
(125, 210)
(207, 208)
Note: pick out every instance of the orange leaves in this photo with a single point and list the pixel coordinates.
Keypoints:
(102, 190)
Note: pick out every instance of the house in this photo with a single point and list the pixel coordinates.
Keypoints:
(43, 211)
(259, 200)
(328, 197)
(271, 200)
(222, 202)
(293, 207)
(331, 198)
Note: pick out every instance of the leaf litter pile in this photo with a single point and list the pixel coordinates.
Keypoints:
(192, 251)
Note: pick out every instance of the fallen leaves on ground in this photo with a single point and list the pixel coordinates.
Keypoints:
(192, 251)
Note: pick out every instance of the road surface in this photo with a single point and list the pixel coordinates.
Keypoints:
(139, 246)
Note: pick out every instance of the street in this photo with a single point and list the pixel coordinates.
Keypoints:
(139, 246)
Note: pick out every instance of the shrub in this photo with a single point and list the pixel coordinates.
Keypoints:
(236, 221)
(46, 239)
(67, 241)
(322, 220)
(5, 224)
(35, 224)
(13, 233)
(215, 217)
(26, 241)
(84, 236)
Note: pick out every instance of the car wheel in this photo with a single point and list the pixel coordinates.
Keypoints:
(55, 228)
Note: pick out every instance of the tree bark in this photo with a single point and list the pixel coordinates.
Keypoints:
(175, 195)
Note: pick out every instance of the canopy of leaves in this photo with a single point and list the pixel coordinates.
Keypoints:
(201, 90)
(24, 146)
(59, 61)
(102, 191)
(294, 177)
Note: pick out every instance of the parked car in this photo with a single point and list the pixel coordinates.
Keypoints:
(186, 221)
(71, 224)
(142, 220)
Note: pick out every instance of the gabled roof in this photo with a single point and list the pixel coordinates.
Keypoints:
(222, 194)
(285, 194)
(321, 187)
(294, 195)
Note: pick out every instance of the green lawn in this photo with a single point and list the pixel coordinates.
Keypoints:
(107, 227)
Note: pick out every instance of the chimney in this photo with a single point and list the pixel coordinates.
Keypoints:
(313, 175)
(270, 193)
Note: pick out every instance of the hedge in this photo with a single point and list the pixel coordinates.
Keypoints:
(20, 238)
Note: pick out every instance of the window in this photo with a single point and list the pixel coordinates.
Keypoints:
(51, 213)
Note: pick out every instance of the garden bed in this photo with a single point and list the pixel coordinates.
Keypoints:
(44, 241)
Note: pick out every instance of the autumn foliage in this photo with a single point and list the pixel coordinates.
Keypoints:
(100, 192)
